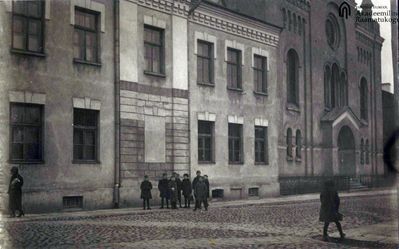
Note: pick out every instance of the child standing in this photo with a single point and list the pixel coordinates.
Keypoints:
(146, 187)
(187, 190)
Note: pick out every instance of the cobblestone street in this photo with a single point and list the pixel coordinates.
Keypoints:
(369, 222)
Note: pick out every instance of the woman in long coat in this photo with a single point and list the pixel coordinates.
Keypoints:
(15, 192)
(329, 209)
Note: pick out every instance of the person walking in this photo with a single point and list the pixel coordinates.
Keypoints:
(194, 184)
(200, 193)
(329, 209)
(146, 187)
(163, 187)
(173, 191)
(187, 190)
(15, 192)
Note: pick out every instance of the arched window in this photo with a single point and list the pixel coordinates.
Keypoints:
(334, 86)
(285, 17)
(367, 151)
(292, 77)
(289, 20)
(298, 144)
(363, 99)
(299, 25)
(295, 23)
(327, 87)
(362, 151)
(343, 90)
(289, 143)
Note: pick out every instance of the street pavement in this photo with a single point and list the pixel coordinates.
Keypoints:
(370, 221)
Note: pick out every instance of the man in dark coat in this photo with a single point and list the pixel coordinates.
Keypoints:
(15, 192)
(179, 188)
(200, 193)
(195, 181)
(146, 187)
(163, 186)
(187, 190)
(329, 209)
(173, 192)
(207, 185)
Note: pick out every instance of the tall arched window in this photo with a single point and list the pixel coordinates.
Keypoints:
(362, 151)
(284, 17)
(298, 144)
(363, 99)
(292, 77)
(367, 152)
(343, 90)
(327, 87)
(334, 86)
(295, 23)
(289, 143)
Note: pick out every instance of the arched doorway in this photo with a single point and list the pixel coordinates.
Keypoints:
(346, 152)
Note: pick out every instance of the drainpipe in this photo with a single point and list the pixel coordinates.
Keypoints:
(117, 105)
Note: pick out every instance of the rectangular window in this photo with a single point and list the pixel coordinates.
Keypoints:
(154, 50)
(253, 192)
(260, 73)
(204, 62)
(26, 122)
(234, 68)
(28, 25)
(205, 141)
(261, 150)
(86, 36)
(235, 143)
(85, 132)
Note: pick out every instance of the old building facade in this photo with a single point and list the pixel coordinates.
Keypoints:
(57, 102)
(247, 94)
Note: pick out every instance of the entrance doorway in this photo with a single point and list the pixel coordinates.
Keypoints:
(346, 152)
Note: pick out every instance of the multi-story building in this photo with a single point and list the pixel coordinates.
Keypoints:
(57, 102)
(250, 95)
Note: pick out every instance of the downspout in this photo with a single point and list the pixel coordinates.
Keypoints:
(306, 100)
(311, 92)
(117, 104)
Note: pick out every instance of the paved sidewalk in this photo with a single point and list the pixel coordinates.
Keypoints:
(230, 203)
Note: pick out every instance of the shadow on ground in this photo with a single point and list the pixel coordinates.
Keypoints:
(348, 242)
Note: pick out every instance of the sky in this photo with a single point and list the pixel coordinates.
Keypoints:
(386, 53)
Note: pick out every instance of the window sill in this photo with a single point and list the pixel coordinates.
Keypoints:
(206, 162)
(236, 163)
(25, 162)
(261, 93)
(160, 75)
(25, 52)
(85, 162)
(261, 164)
(293, 108)
(235, 89)
(78, 61)
(206, 84)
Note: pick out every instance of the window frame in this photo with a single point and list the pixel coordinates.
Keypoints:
(161, 47)
(203, 136)
(265, 159)
(298, 145)
(263, 72)
(364, 108)
(289, 144)
(27, 17)
(210, 59)
(85, 30)
(237, 65)
(292, 66)
(40, 136)
(84, 129)
(232, 139)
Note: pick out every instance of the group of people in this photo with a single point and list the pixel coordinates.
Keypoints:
(171, 191)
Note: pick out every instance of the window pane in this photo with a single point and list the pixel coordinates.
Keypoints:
(89, 152)
(156, 59)
(78, 152)
(19, 30)
(32, 151)
(79, 18)
(32, 135)
(147, 35)
(32, 115)
(90, 21)
(206, 70)
(90, 138)
(19, 7)
(35, 8)
(17, 134)
(78, 44)
(17, 113)
(17, 151)
(77, 136)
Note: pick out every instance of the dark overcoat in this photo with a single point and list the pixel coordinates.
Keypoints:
(173, 190)
(329, 206)
(195, 181)
(146, 187)
(15, 192)
(163, 187)
(200, 191)
(186, 187)
(207, 187)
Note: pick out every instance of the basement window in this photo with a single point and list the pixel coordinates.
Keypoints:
(253, 192)
(72, 202)
(217, 193)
